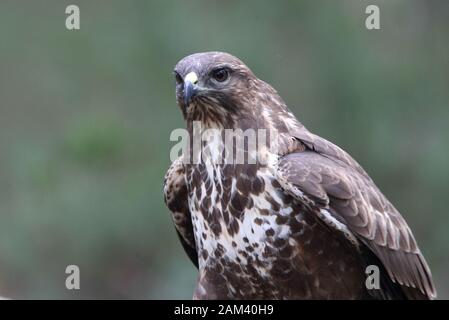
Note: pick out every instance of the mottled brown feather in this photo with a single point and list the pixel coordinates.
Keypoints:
(347, 191)
(176, 199)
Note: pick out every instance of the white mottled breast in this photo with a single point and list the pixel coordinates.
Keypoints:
(250, 234)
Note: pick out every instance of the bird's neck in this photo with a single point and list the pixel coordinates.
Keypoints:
(247, 141)
(266, 127)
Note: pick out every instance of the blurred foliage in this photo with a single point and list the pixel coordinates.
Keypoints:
(96, 140)
(85, 118)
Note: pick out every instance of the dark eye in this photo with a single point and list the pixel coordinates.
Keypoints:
(178, 78)
(220, 75)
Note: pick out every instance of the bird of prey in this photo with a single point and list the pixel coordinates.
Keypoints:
(304, 224)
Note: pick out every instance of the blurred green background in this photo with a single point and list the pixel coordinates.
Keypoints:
(85, 118)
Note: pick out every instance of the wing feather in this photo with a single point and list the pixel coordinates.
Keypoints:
(329, 178)
(176, 199)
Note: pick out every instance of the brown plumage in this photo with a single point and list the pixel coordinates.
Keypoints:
(303, 225)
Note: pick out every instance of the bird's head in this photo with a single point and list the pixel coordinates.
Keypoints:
(214, 87)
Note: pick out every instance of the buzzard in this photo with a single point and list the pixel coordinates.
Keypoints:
(303, 224)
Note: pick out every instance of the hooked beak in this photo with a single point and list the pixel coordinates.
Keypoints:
(190, 87)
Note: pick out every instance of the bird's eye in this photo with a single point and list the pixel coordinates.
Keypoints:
(220, 75)
(178, 78)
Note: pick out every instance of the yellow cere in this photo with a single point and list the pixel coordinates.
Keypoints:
(191, 77)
